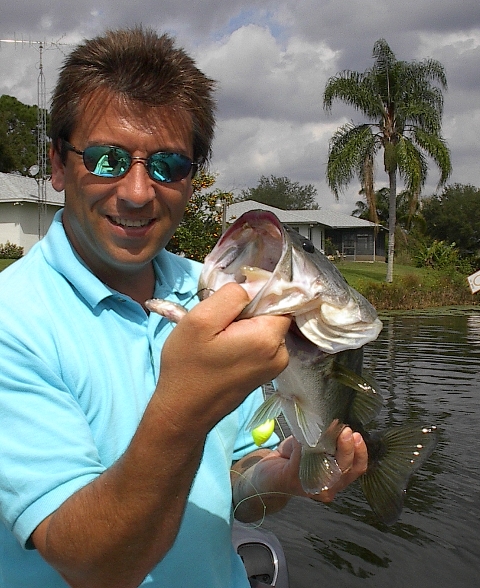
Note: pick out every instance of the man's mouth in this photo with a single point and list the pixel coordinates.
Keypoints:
(129, 223)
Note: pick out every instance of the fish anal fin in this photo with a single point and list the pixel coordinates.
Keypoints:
(318, 471)
(394, 456)
(329, 436)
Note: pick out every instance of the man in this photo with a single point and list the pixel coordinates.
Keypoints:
(117, 430)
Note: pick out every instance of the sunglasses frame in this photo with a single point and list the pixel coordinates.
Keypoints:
(147, 162)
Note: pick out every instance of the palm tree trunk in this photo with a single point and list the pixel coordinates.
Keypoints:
(392, 221)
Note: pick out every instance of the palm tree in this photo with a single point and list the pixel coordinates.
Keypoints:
(406, 215)
(405, 107)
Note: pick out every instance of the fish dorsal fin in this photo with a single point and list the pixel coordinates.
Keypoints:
(368, 402)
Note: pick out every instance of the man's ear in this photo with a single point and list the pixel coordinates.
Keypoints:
(58, 170)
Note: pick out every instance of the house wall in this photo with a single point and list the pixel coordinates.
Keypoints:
(19, 223)
(315, 233)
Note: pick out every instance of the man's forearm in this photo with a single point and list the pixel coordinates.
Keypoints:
(113, 531)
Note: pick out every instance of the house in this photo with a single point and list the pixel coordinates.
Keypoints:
(23, 221)
(24, 218)
(352, 238)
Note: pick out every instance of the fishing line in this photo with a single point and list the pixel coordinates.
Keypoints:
(259, 495)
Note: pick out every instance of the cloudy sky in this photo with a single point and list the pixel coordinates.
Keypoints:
(272, 60)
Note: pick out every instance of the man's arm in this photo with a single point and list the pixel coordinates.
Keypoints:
(264, 481)
(113, 531)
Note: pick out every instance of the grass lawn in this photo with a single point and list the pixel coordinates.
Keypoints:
(412, 287)
(5, 262)
(358, 274)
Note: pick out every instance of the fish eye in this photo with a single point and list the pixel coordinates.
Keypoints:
(308, 246)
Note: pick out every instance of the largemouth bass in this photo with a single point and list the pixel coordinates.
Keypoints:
(323, 388)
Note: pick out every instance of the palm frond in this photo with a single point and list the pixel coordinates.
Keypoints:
(412, 165)
(348, 149)
(384, 57)
(435, 146)
(355, 89)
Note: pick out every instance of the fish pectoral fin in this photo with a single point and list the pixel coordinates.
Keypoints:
(269, 410)
(396, 454)
(368, 402)
(310, 424)
(318, 471)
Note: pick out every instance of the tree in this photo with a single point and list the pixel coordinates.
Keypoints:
(282, 193)
(405, 217)
(18, 135)
(377, 214)
(454, 217)
(201, 226)
(404, 105)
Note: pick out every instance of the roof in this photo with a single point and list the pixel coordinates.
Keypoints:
(17, 188)
(328, 218)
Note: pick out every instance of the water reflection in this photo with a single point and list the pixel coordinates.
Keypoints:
(473, 329)
(428, 367)
(338, 553)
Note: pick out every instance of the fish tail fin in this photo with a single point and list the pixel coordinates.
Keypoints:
(394, 456)
(318, 469)
(268, 410)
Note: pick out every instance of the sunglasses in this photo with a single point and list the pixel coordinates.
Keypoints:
(107, 161)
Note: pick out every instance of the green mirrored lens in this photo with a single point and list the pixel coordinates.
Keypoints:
(108, 161)
(105, 161)
(168, 167)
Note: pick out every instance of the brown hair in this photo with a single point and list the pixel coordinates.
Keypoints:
(141, 67)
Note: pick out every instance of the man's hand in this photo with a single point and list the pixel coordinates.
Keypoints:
(264, 481)
(211, 361)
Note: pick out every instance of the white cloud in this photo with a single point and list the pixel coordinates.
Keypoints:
(272, 59)
(257, 75)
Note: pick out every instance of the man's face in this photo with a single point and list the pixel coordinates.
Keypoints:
(117, 225)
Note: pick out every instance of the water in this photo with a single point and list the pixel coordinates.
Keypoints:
(428, 366)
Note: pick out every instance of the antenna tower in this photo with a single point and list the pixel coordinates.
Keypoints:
(41, 173)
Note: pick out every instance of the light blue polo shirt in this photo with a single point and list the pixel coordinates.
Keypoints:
(78, 365)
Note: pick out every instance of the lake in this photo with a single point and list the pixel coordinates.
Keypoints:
(428, 368)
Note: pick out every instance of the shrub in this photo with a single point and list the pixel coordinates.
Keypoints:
(10, 251)
(410, 292)
(442, 256)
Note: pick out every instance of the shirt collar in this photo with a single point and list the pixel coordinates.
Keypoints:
(175, 275)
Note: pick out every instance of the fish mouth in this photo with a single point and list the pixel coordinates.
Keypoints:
(256, 242)
(283, 274)
(247, 253)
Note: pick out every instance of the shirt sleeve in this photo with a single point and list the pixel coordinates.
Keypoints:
(47, 448)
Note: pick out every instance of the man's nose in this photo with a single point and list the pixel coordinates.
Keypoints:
(136, 187)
